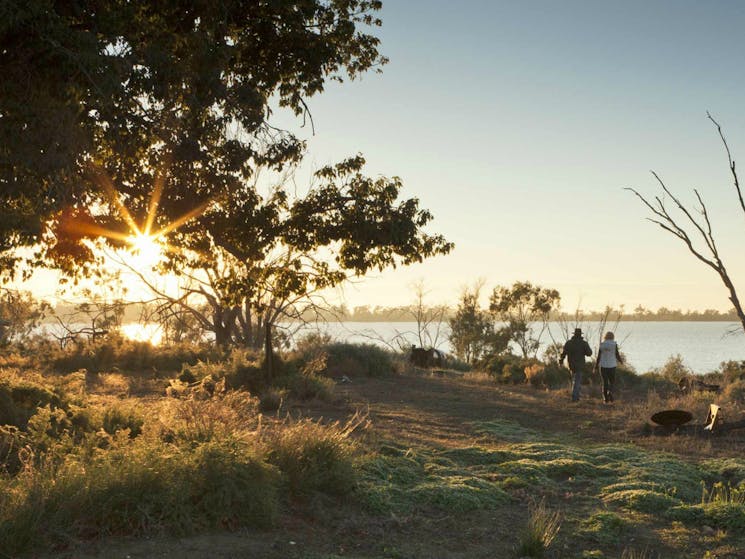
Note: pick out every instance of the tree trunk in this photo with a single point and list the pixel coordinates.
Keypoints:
(268, 353)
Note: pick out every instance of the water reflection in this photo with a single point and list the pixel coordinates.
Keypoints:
(143, 332)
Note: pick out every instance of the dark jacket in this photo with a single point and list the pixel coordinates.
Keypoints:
(575, 350)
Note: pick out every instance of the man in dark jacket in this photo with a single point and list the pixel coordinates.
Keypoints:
(575, 350)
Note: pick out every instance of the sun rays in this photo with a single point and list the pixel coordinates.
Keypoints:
(145, 246)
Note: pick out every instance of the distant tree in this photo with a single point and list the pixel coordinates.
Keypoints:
(126, 96)
(694, 228)
(20, 313)
(429, 319)
(99, 313)
(472, 331)
(522, 307)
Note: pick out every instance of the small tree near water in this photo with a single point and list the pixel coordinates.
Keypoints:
(521, 307)
(472, 332)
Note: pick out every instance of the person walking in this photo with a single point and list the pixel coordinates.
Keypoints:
(608, 359)
(576, 349)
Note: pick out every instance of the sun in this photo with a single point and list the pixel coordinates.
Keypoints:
(146, 251)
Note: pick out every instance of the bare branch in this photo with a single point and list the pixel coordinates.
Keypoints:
(730, 161)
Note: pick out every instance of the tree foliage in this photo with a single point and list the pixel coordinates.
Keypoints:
(20, 313)
(103, 94)
(473, 334)
(522, 307)
(263, 258)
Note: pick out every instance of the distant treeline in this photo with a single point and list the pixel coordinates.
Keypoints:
(409, 314)
(133, 312)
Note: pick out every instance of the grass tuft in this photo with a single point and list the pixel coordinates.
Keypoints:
(540, 531)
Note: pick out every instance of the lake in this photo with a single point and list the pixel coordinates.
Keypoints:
(703, 345)
(647, 345)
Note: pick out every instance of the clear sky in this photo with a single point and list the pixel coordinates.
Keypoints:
(519, 123)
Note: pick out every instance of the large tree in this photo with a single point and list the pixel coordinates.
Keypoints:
(102, 101)
(262, 258)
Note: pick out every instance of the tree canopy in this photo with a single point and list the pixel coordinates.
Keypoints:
(519, 307)
(263, 257)
(100, 96)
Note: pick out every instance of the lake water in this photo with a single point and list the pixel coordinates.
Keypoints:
(702, 345)
(647, 345)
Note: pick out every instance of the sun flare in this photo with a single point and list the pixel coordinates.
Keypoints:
(146, 251)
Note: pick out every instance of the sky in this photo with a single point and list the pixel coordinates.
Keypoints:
(519, 124)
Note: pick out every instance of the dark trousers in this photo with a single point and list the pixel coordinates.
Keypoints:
(608, 374)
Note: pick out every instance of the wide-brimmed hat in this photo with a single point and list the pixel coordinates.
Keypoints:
(578, 331)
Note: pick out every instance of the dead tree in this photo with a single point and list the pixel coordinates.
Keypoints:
(699, 223)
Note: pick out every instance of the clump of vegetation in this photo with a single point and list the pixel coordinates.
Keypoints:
(404, 480)
(336, 359)
(314, 458)
(605, 527)
(137, 488)
(540, 531)
(271, 399)
(116, 352)
(675, 369)
(118, 418)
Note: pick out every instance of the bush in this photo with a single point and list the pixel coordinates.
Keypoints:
(271, 399)
(495, 364)
(541, 530)
(307, 386)
(128, 355)
(674, 369)
(19, 400)
(117, 418)
(550, 375)
(735, 391)
(313, 458)
(358, 360)
(732, 371)
(654, 381)
(136, 488)
(240, 369)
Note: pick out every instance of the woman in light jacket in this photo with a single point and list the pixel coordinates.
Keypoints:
(608, 359)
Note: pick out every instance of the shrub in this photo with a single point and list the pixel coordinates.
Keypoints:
(626, 377)
(214, 417)
(496, 364)
(655, 381)
(19, 400)
(605, 527)
(732, 371)
(306, 386)
(128, 355)
(358, 360)
(674, 369)
(550, 375)
(735, 391)
(271, 399)
(117, 418)
(313, 458)
(137, 488)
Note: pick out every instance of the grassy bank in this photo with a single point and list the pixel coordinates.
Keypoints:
(351, 440)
